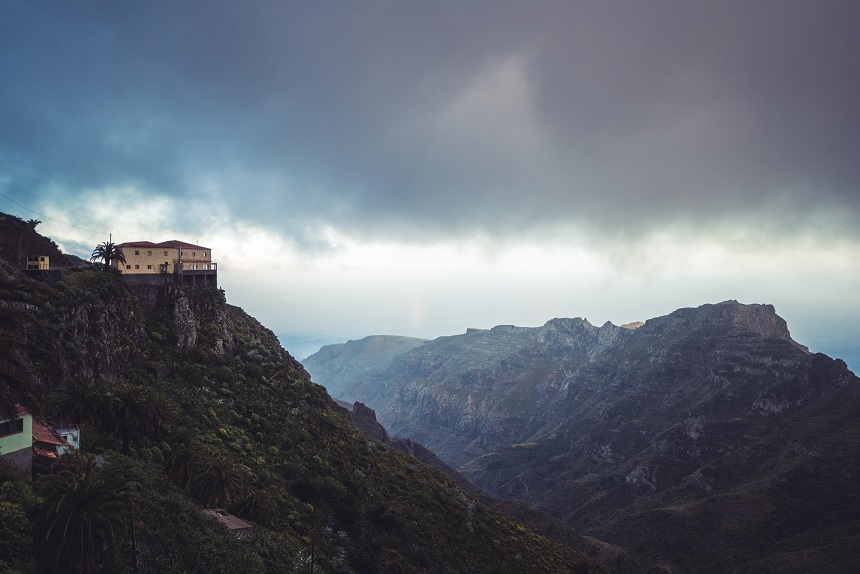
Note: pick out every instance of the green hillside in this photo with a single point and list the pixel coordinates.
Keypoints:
(214, 413)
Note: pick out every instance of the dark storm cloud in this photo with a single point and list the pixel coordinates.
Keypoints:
(408, 118)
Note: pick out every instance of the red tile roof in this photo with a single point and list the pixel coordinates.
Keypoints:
(232, 522)
(172, 244)
(44, 434)
(49, 453)
(138, 244)
(176, 243)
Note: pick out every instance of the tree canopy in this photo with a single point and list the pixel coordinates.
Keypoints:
(108, 252)
(19, 298)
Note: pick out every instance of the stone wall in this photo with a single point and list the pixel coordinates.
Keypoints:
(145, 291)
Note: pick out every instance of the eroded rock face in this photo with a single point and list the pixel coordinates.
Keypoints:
(93, 330)
(184, 321)
(365, 419)
(615, 430)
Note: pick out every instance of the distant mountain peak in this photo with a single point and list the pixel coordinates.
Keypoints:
(760, 319)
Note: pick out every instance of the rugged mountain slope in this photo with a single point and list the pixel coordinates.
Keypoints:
(19, 240)
(363, 360)
(540, 522)
(245, 413)
(707, 438)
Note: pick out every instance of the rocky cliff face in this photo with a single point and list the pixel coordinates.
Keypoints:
(93, 328)
(96, 326)
(707, 438)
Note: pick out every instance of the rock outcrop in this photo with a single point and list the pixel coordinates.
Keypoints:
(706, 438)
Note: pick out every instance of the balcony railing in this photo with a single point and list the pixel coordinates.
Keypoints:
(183, 266)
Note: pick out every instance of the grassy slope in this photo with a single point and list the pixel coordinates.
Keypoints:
(324, 487)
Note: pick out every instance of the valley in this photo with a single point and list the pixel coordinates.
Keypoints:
(707, 439)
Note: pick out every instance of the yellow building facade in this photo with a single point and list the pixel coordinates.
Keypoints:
(173, 261)
(38, 262)
(166, 257)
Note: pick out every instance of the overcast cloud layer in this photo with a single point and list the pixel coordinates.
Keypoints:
(315, 125)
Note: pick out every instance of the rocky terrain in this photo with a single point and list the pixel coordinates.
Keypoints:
(190, 404)
(706, 439)
(540, 522)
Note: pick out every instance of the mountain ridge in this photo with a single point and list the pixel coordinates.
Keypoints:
(605, 427)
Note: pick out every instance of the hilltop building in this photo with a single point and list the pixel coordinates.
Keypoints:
(173, 261)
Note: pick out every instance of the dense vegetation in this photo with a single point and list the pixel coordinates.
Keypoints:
(193, 404)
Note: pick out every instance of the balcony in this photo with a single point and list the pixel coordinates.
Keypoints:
(186, 266)
(194, 273)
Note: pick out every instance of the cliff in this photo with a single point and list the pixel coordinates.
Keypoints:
(223, 406)
(706, 439)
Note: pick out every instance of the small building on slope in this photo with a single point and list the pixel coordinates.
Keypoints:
(236, 525)
(16, 440)
(30, 445)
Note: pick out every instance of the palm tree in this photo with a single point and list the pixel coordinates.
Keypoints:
(19, 298)
(163, 409)
(256, 505)
(84, 507)
(138, 410)
(108, 252)
(132, 411)
(81, 400)
(219, 482)
(186, 460)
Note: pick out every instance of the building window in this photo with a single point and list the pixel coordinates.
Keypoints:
(193, 254)
(11, 427)
(137, 251)
(165, 253)
(149, 266)
(149, 253)
(128, 266)
(137, 266)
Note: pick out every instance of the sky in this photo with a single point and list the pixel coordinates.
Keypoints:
(417, 168)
